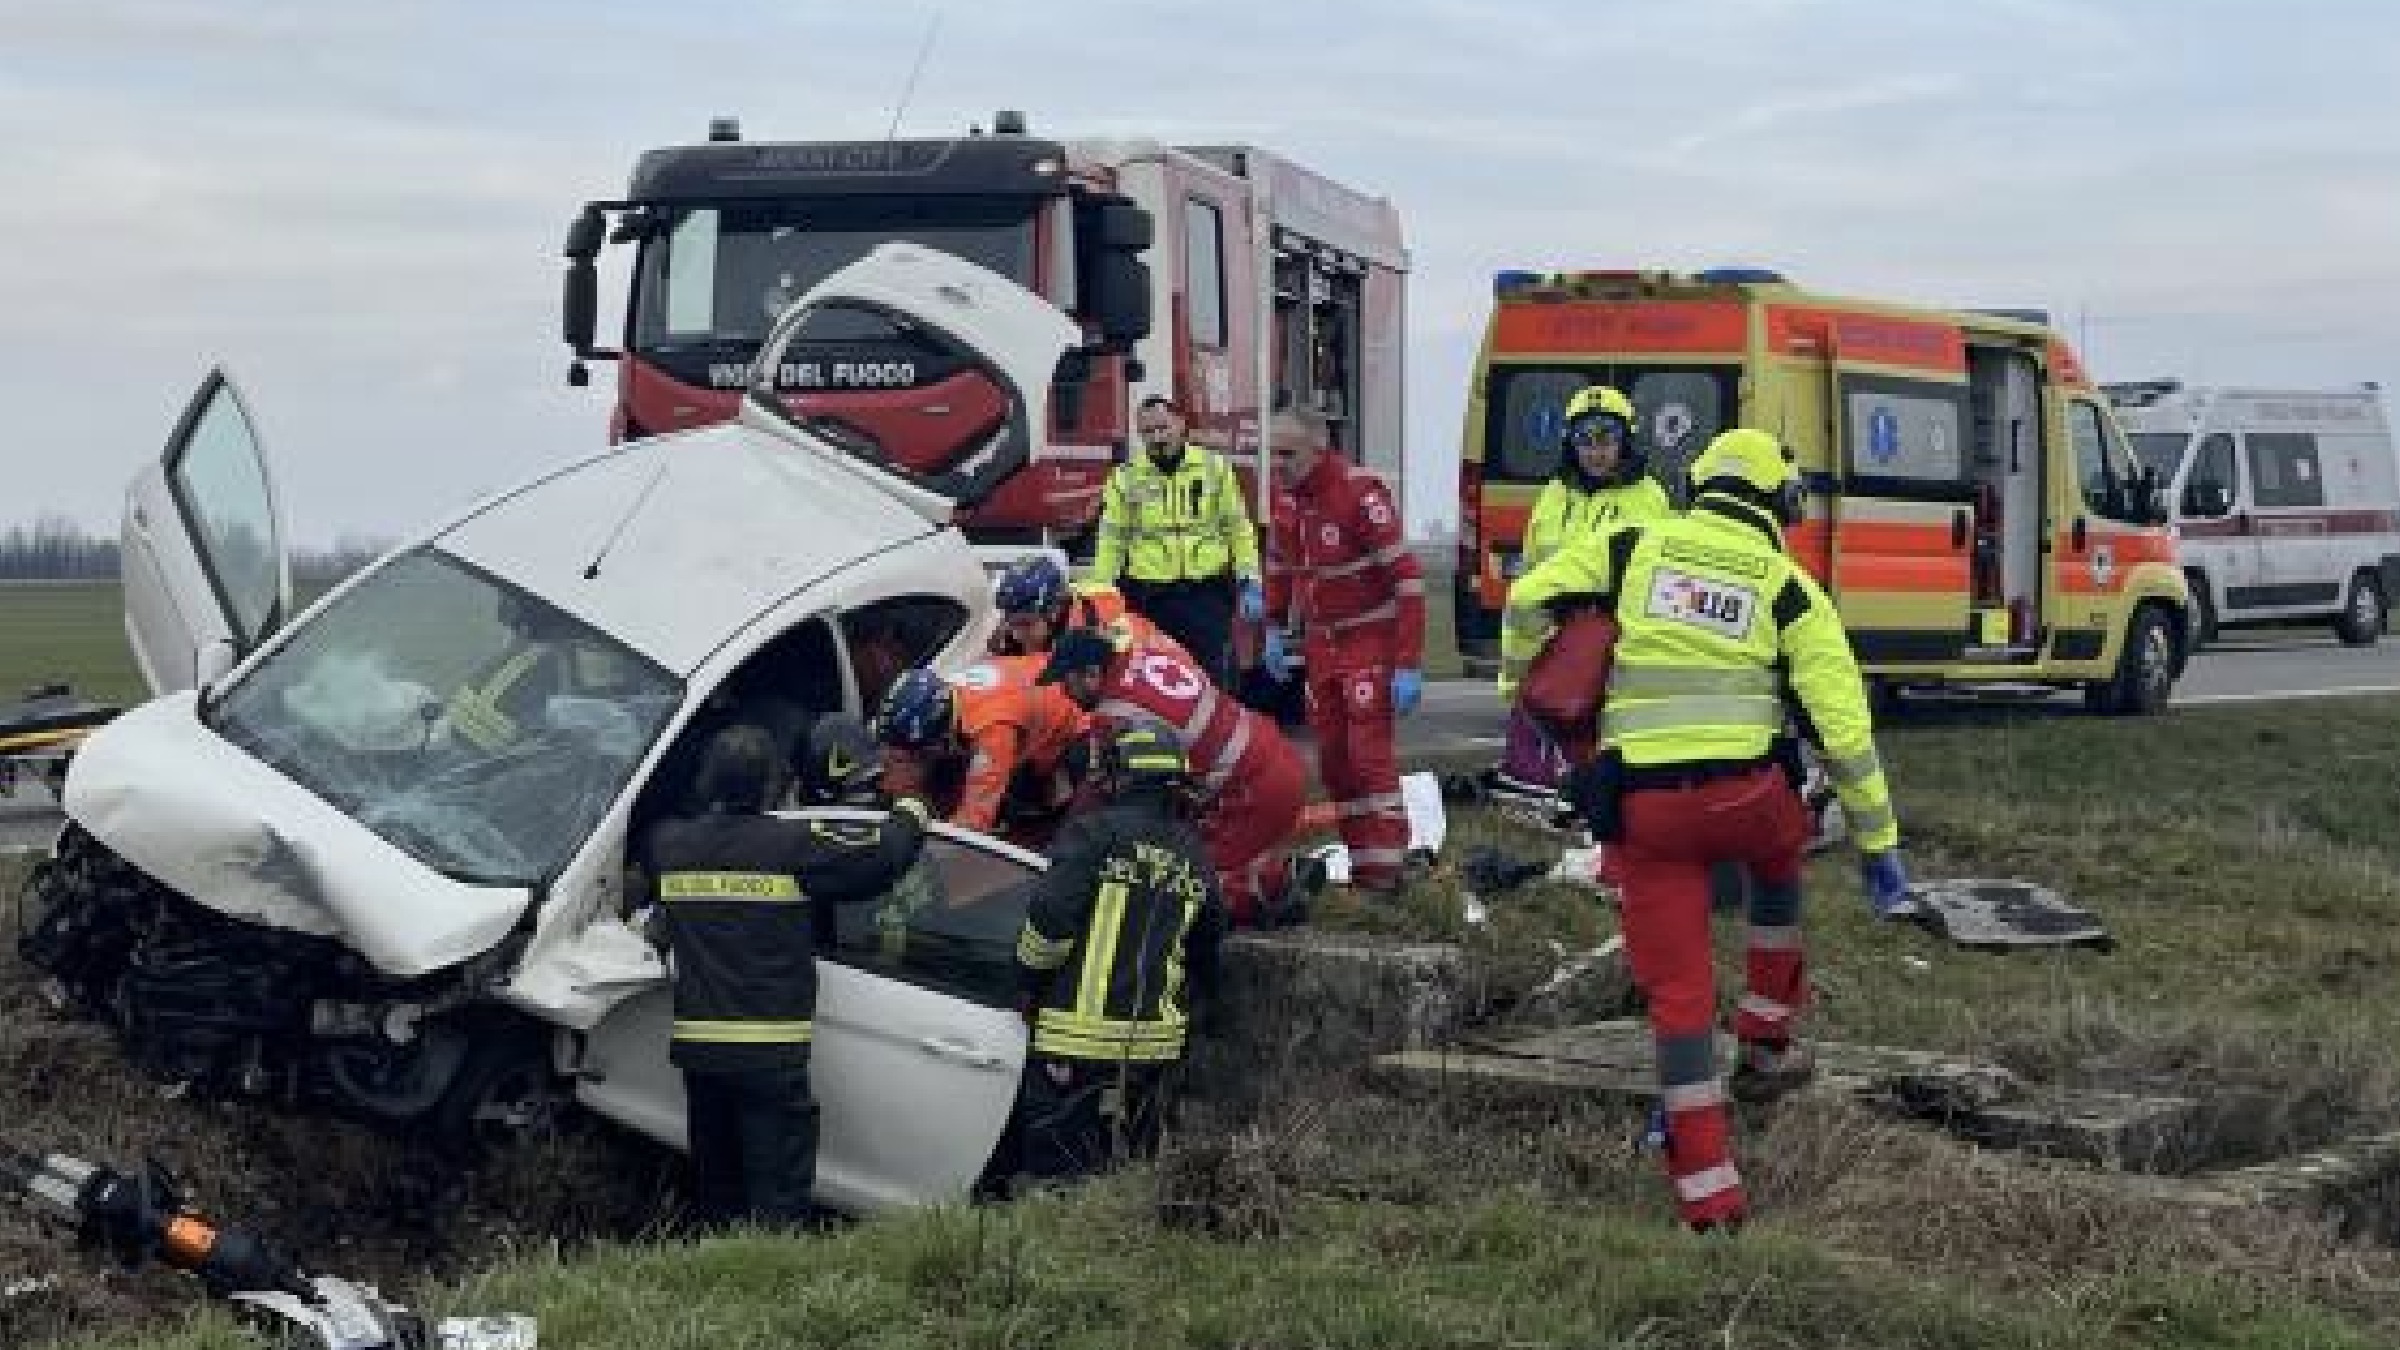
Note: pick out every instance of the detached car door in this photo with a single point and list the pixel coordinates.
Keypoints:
(205, 572)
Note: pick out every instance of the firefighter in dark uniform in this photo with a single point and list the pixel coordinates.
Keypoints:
(742, 896)
(1120, 930)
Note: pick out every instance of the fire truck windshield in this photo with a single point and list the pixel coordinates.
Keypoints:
(715, 277)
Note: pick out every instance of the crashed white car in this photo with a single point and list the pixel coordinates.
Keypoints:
(379, 852)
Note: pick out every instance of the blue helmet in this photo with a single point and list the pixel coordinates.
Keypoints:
(918, 711)
(1034, 585)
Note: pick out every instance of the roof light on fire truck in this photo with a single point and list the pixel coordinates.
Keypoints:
(1513, 280)
(1736, 276)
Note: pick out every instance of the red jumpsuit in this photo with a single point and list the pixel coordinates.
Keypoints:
(1359, 602)
(1252, 785)
(1012, 742)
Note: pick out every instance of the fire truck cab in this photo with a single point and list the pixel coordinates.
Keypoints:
(1226, 278)
(2287, 502)
(1973, 508)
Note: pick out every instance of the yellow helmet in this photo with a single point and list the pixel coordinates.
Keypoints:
(1599, 404)
(1599, 399)
(1747, 458)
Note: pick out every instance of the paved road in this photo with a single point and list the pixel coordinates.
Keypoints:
(1460, 718)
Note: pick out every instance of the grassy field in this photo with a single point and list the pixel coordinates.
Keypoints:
(71, 631)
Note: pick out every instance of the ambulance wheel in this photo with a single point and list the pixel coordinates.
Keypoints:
(2145, 675)
(2363, 612)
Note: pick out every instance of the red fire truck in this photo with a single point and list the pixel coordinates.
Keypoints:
(1260, 275)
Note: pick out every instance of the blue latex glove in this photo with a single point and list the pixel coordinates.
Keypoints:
(1884, 878)
(1253, 600)
(1277, 661)
(1408, 686)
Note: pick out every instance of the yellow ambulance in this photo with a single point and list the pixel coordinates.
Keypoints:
(1974, 508)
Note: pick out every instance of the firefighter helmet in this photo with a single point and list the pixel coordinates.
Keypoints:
(841, 763)
(1596, 409)
(1142, 753)
(1035, 585)
(1753, 465)
(919, 711)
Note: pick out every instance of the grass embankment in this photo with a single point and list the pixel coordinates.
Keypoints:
(2244, 859)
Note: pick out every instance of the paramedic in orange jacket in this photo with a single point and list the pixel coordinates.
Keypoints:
(988, 745)
(1358, 601)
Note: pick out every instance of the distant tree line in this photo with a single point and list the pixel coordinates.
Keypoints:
(55, 548)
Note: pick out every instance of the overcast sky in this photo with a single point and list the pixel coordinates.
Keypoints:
(358, 207)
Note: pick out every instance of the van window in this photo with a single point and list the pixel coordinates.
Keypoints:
(1204, 271)
(1678, 410)
(2284, 469)
(950, 924)
(1905, 435)
(2092, 477)
(2213, 466)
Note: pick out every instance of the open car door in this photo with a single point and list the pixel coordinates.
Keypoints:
(919, 1046)
(205, 572)
(998, 349)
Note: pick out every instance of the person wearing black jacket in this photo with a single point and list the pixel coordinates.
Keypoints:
(743, 896)
(1120, 928)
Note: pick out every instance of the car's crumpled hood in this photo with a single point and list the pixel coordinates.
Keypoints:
(206, 818)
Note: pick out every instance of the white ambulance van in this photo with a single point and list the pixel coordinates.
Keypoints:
(2286, 502)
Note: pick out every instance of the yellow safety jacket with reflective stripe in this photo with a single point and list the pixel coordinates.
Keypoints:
(1188, 524)
(1715, 623)
(1565, 511)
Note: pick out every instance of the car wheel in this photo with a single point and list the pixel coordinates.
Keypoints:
(2362, 619)
(2145, 676)
(506, 1092)
(395, 1084)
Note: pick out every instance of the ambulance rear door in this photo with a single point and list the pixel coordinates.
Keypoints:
(1905, 518)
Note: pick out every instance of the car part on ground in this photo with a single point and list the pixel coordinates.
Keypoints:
(138, 1219)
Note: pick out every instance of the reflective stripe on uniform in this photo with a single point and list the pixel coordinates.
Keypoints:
(1852, 770)
(1683, 681)
(1708, 1181)
(744, 1032)
(1693, 1096)
(1229, 758)
(767, 886)
(1042, 953)
(1763, 1008)
(1699, 710)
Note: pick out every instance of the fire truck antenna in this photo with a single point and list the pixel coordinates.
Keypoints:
(909, 90)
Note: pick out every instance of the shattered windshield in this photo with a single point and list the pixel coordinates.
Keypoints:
(463, 720)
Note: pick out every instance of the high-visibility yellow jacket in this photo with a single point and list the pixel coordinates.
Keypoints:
(1568, 510)
(1715, 624)
(1188, 524)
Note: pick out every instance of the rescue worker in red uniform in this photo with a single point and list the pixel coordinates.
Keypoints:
(1037, 603)
(988, 745)
(1716, 624)
(1250, 781)
(1353, 591)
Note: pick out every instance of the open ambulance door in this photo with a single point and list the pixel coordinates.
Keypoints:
(206, 576)
(1904, 523)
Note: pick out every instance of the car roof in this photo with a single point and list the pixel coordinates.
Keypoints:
(673, 543)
